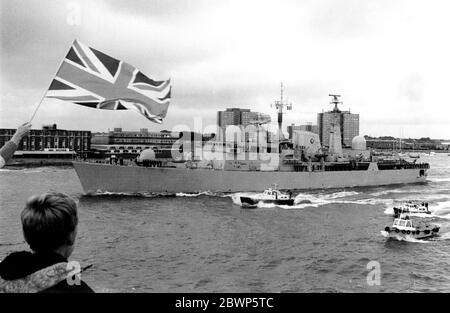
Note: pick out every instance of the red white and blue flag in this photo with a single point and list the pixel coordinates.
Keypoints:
(91, 78)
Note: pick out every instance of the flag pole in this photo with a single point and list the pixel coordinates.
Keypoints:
(46, 90)
(39, 104)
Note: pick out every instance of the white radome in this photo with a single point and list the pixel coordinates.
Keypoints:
(359, 143)
(147, 154)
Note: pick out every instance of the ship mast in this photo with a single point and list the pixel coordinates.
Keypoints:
(279, 105)
(335, 101)
(335, 146)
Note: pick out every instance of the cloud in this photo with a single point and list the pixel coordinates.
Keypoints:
(162, 10)
(388, 59)
(412, 88)
(337, 19)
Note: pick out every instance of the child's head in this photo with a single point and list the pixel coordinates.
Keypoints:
(49, 223)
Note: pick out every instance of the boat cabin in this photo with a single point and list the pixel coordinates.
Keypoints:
(415, 206)
(275, 194)
(403, 222)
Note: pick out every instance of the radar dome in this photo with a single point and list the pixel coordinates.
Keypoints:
(359, 143)
(147, 154)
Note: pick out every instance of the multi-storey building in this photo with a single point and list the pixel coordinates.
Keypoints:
(242, 119)
(307, 127)
(349, 128)
(348, 124)
(50, 139)
(231, 116)
(382, 144)
(131, 143)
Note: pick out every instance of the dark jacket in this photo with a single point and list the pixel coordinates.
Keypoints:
(37, 272)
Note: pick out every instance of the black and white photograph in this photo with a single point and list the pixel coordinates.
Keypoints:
(242, 149)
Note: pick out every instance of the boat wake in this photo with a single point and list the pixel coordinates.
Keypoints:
(439, 180)
(305, 200)
(444, 236)
(395, 191)
(100, 193)
(401, 238)
(442, 209)
(190, 195)
(32, 170)
(236, 197)
(341, 194)
(154, 194)
(439, 209)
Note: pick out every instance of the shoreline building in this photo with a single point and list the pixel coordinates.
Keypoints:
(50, 142)
(231, 116)
(133, 142)
(306, 127)
(241, 129)
(348, 124)
(402, 144)
(246, 127)
(129, 144)
(241, 117)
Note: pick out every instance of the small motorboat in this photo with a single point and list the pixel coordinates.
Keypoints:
(270, 195)
(404, 227)
(412, 207)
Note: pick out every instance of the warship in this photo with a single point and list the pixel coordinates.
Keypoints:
(299, 163)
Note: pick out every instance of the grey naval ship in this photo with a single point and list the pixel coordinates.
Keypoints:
(298, 163)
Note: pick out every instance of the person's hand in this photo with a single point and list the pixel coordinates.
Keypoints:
(21, 132)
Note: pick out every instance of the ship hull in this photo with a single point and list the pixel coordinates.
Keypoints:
(96, 177)
(253, 202)
(398, 211)
(416, 234)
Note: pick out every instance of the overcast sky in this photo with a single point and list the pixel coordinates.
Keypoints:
(389, 59)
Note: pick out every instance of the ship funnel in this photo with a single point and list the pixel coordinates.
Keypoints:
(335, 147)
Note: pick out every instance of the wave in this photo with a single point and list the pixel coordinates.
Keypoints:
(439, 209)
(442, 209)
(236, 197)
(32, 170)
(401, 238)
(396, 191)
(100, 193)
(443, 236)
(22, 170)
(341, 194)
(304, 200)
(190, 195)
(155, 194)
(301, 200)
(440, 179)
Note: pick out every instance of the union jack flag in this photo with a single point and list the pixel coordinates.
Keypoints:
(91, 78)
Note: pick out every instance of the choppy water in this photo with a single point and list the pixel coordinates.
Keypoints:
(207, 243)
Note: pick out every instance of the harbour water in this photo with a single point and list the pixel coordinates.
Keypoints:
(208, 243)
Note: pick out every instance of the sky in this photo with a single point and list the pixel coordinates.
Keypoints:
(390, 60)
